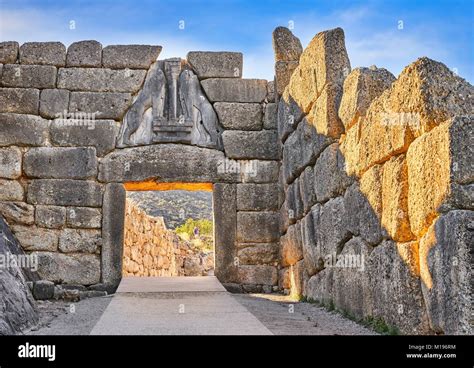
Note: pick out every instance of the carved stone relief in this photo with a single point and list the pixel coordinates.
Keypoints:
(171, 108)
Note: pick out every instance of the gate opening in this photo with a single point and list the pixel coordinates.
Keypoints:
(169, 230)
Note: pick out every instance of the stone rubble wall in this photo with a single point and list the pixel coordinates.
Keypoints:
(381, 169)
(62, 185)
(150, 249)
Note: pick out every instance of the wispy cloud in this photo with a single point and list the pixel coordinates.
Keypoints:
(371, 30)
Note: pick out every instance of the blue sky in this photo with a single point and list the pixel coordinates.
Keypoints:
(441, 30)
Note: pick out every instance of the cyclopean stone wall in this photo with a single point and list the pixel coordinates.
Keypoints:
(377, 185)
(135, 119)
(350, 187)
(150, 249)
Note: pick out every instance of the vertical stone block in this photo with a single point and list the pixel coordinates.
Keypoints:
(225, 229)
(113, 222)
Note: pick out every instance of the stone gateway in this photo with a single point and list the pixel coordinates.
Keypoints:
(324, 164)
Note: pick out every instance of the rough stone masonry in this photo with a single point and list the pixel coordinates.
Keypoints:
(350, 187)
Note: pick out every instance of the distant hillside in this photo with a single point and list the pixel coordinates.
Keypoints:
(175, 206)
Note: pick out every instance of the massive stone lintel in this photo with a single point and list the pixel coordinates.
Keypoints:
(171, 108)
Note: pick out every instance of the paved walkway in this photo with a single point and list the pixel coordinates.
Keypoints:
(176, 306)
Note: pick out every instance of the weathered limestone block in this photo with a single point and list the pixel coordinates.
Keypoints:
(80, 241)
(60, 163)
(65, 192)
(113, 220)
(283, 72)
(17, 212)
(51, 217)
(239, 144)
(395, 291)
(23, 130)
(460, 197)
(43, 53)
(53, 103)
(256, 254)
(446, 272)
(100, 80)
(225, 226)
(286, 46)
(437, 161)
(10, 163)
(257, 197)
(130, 56)
(209, 64)
(320, 287)
(19, 100)
(101, 105)
(101, 134)
(307, 185)
(257, 227)
(371, 186)
(282, 188)
(287, 49)
(257, 171)
(297, 204)
(294, 202)
(351, 290)
(11, 190)
(8, 52)
(83, 269)
(323, 61)
(331, 228)
(330, 178)
(313, 257)
(295, 159)
(395, 217)
(17, 306)
(426, 94)
(350, 149)
(298, 279)
(291, 246)
(289, 115)
(84, 54)
(361, 217)
(288, 212)
(29, 76)
(239, 116)
(170, 162)
(361, 87)
(284, 217)
(271, 114)
(235, 90)
(324, 113)
(34, 238)
(84, 217)
(258, 274)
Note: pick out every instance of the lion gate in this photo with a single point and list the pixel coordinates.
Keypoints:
(84, 124)
(326, 165)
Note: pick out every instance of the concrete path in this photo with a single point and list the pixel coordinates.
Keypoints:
(176, 306)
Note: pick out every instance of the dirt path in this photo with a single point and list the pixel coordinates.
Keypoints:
(283, 316)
